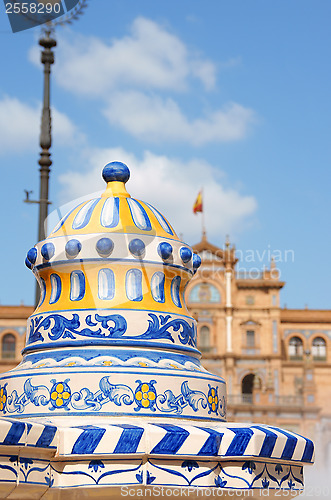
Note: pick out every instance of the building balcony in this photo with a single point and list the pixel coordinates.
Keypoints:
(250, 399)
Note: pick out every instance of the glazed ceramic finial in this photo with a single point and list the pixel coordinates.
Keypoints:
(110, 391)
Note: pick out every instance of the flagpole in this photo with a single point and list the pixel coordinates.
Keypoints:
(202, 214)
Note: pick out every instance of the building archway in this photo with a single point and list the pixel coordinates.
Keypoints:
(247, 384)
(8, 346)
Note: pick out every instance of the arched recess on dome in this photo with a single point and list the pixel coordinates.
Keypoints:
(8, 345)
(204, 292)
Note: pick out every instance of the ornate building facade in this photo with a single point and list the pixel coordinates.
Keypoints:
(276, 361)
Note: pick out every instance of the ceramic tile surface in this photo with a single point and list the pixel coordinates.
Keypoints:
(110, 391)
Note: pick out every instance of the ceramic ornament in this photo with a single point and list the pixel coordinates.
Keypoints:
(110, 398)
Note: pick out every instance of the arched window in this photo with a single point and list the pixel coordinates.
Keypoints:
(319, 349)
(295, 348)
(204, 339)
(205, 293)
(8, 347)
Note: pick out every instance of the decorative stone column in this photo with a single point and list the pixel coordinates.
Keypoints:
(110, 398)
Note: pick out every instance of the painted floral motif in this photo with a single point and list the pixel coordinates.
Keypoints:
(261, 475)
(278, 469)
(95, 464)
(145, 395)
(219, 482)
(291, 484)
(58, 326)
(140, 477)
(113, 326)
(190, 465)
(3, 398)
(160, 327)
(60, 394)
(213, 399)
(249, 466)
(265, 482)
(149, 478)
(190, 473)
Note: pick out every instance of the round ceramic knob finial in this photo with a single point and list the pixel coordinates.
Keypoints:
(116, 171)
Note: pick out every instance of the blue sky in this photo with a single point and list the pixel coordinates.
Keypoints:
(232, 96)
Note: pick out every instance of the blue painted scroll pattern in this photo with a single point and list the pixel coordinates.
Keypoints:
(114, 326)
(59, 396)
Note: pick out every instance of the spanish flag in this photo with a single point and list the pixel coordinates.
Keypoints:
(197, 207)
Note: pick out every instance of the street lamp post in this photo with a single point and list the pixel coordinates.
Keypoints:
(47, 58)
(45, 162)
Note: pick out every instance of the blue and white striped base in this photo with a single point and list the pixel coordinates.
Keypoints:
(225, 441)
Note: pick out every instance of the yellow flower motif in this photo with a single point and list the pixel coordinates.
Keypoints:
(174, 366)
(3, 399)
(107, 363)
(142, 364)
(60, 396)
(145, 395)
(72, 363)
(213, 399)
(40, 366)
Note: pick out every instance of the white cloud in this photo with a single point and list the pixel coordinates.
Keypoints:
(132, 75)
(20, 126)
(157, 119)
(149, 57)
(171, 186)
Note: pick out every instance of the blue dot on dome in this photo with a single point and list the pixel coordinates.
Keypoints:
(196, 261)
(47, 251)
(32, 255)
(164, 250)
(185, 254)
(116, 171)
(28, 263)
(137, 247)
(72, 248)
(104, 247)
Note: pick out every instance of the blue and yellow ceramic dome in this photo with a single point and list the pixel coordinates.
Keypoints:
(112, 275)
(118, 253)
